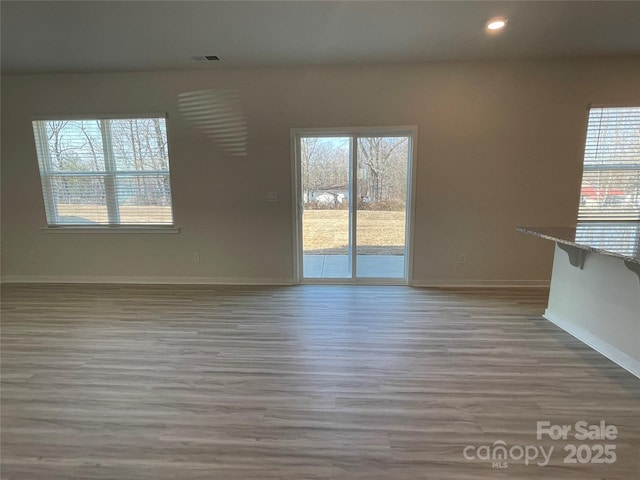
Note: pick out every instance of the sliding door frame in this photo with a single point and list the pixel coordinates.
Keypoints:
(353, 133)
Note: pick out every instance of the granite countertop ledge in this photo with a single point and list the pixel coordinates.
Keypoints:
(617, 239)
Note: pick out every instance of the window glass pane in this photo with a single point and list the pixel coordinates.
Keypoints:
(613, 137)
(144, 199)
(75, 146)
(610, 194)
(623, 238)
(104, 171)
(79, 200)
(326, 233)
(611, 175)
(381, 207)
(140, 144)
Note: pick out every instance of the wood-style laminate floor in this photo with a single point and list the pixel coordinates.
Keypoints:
(308, 382)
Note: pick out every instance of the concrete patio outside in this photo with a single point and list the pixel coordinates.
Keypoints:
(368, 266)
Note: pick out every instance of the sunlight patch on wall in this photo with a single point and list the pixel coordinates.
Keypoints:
(219, 115)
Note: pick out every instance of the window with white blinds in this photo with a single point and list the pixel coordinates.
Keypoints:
(104, 171)
(611, 173)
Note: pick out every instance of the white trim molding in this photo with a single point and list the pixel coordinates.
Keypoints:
(142, 280)
(462, 283)
(109, 229)
(177, 280)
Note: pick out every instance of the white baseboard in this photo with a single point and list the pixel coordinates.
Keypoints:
(150, 280)
(612, 353)
(449, 283)
(146, 280)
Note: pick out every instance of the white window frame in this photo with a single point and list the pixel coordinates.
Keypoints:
(109, 174)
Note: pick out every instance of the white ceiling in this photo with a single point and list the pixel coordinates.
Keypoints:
(88, 36)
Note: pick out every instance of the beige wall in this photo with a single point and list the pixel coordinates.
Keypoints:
(499, 145)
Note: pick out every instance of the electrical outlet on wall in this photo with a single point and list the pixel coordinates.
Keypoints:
(462, 259)
(272, 196)
(196, 257)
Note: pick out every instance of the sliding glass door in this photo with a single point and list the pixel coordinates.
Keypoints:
(353, 191)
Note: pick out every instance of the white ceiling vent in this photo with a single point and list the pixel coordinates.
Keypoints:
(205, 58)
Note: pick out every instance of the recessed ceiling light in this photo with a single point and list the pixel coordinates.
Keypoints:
(497, 23)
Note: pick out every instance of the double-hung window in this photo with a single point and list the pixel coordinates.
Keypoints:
(104, 171)
(611, 174)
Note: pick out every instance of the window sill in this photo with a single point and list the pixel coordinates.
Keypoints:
(111, 229)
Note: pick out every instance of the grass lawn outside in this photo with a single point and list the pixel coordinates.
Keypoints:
(92, 214)
(326, 232)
